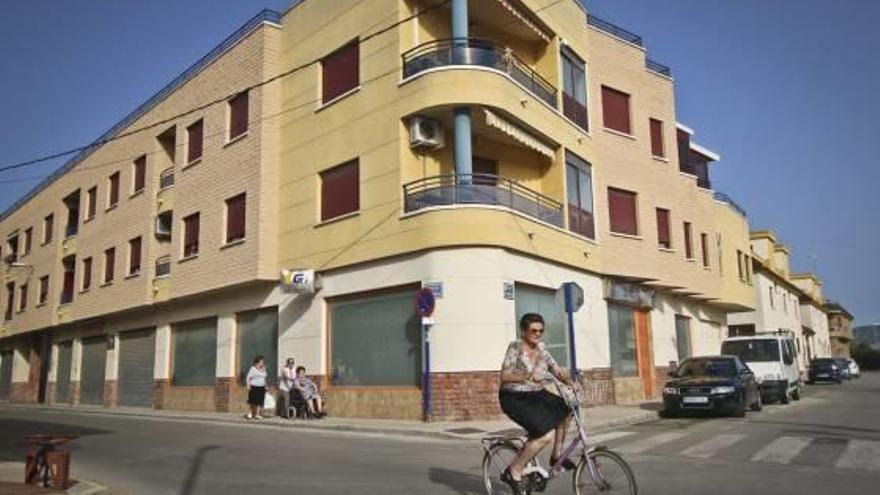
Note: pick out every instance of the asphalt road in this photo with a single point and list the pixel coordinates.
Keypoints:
(829, 442)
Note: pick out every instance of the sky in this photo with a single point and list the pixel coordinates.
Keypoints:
(785, 91)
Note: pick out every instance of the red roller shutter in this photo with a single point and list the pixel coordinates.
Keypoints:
(622, 210)
(615, 109)
(109, 264)
(87, 274)
(340, 71)
(140, 173)
(238, 115)
(340, 190)
(191, 235)
(235, 218)
(688, 241)
(657, 138)
(663, 237)
(114, 189)
(134, 261)
(194, 140)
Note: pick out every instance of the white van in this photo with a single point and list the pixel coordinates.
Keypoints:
(772, 356)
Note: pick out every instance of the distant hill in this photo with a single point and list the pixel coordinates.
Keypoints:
(867, 334)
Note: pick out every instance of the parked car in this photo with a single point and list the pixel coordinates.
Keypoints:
(824, 370)
(843, 365)
(854, 370)
(721, 384)
(773, 358)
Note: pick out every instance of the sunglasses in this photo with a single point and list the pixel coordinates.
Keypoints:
(536, 331)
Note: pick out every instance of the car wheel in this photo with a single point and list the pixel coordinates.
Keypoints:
(796, 395)
(740, 408)
(758, 405)
(785, 399)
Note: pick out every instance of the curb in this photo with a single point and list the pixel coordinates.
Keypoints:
(14, 472)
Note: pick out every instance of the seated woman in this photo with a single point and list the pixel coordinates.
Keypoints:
(309, 392)
(524, 399)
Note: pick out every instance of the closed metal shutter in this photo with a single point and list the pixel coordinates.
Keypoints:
(136, 358)
(5, 374)
(94, 360)
(62, 377)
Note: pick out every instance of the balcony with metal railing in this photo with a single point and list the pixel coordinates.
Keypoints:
(720, 196)
(166, 178)
(481, 189)
(614, 30)
(474, 52)
(163, 266)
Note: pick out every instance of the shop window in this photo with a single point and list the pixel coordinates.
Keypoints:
(622, 336)
(530, 299)
(683, 337)
(257, 336)
(195, 353)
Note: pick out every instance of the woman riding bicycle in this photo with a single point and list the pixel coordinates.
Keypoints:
(524, 399)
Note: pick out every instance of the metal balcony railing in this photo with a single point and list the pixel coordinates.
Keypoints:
(166, 178)
(71, 230)
(478, 53)
(657, 67)
(614, 30)
(163, 266)
(720, 196)
(481, 189)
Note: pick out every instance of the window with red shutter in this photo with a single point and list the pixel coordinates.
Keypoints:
(28, 240)
(235, 218)
(238, 115)
(340, 190)
(113, 196)
(615, 110)
(92, 202)
(44, 289)
(194, 136)
(191, 235)
(340, 72)
(657, 138)
(109, 265)
(22, 297)
(134, 256)
(688, 241)
(140, 173)
(622, 211)
(87, 274)
(48, 224)
(10, 300)
(664, 239)
(704, 245)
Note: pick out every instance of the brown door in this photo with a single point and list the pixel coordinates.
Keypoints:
(645, 352)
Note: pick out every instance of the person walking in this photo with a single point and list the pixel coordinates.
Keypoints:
(288, 375)
(256, 386)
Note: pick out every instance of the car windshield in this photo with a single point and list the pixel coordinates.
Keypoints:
(710, 367)
(752, 350)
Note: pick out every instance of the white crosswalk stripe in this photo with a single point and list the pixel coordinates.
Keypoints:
(860, 454)
(782, 450)
(651, 442)
(712, 446)
(611, 435)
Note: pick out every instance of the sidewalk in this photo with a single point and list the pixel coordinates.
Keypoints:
(597, 420)
(12, 476)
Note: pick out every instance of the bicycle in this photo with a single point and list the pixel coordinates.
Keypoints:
(599, 469)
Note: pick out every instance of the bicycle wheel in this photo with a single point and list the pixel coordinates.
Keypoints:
(496, 459)
(614, 473)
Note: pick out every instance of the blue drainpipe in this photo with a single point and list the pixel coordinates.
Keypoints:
(464, 166)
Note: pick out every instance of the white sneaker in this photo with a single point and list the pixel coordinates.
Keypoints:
(259, 417)
(248, 416)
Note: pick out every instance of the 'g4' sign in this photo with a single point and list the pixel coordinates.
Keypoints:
(302, 281)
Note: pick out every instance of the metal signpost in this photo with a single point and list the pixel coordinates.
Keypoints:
(570, 296)
(425, 302)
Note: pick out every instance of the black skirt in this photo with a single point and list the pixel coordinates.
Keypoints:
(257, 396)
(537, 412)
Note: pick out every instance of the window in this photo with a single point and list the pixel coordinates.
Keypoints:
(69, 280)
(375, 340)
(113, 193)
(682, 337)
(664, 239)
(22, 297)
(622, 211)
(235, 218)
(10, 301)
(139, 172)
(531, 299)
(109, 265)
(194, 137)
(748, 268)
(657, 138)
(574, 88)
(739, 264)
(704, 245)
(688, 241)
(238, 115)
(615, 110)
(87, 274)
(340, 72)
(579, 181)
(195, 353)
(48, 224)
(191, 235)
(257, 336)
(134, 256)
(28, 240)
(340, 190)
(92, 200)
(622, 336)
(12, 245)
(44, 290)
(785, 304)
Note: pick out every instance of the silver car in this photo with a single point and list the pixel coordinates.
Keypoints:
(854, 370)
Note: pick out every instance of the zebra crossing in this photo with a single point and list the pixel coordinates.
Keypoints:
(830, 451)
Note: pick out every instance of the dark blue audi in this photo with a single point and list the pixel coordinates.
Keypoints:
(719, 384)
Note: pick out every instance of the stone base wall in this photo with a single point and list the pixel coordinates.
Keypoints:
(598, 387)
(661, 376)
(465, 396)
(111, 393)
(628, 390)
(160, 390)
(223, 393)
(50, 393)
(20, 392)
(189, 398)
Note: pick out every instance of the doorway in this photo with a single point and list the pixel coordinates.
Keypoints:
(645, 351)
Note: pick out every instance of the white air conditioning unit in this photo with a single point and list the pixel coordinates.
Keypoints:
(163, 227)
(425, 133)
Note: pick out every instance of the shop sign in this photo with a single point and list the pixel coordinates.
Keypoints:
(629, 294)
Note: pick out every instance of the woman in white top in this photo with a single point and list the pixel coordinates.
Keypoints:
(256, 385)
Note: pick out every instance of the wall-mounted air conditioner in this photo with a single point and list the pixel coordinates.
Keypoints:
(425, 133)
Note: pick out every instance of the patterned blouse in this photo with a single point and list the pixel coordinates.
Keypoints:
(516, 360)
